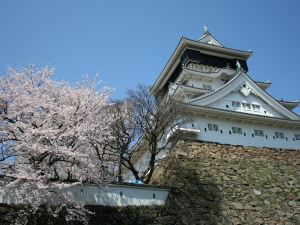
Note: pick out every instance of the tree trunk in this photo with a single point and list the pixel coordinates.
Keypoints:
(151, 163)
(120, 179)
(129, 165)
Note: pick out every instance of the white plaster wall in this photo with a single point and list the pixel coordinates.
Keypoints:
(266, 110)
(120, 195)
(238, 139)
(115, 195)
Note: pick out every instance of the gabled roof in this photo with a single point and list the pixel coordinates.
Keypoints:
(209, 39)
(243, 79)
(186, 43)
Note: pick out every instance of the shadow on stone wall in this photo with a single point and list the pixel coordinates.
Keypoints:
(196, 199)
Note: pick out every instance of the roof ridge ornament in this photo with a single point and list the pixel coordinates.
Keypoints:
(205, 29)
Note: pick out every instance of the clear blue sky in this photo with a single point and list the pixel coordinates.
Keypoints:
(129, 42)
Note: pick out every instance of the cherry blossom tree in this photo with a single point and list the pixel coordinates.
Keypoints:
(53, 131)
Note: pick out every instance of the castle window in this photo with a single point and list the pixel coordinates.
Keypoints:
(236, 104)
(297, 136)
(213, 127)
(279, 135)
(259, 133)
(237, 130)
(246, 106)
(256, 107)
(207, 87)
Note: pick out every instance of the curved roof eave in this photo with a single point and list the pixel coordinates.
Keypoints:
(240, 54)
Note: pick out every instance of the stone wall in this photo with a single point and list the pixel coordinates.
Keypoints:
(226, 184)
(214, 184)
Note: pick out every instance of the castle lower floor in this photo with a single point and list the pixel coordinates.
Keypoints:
(236, 132)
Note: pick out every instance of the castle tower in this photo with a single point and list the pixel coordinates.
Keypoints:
(223, 103)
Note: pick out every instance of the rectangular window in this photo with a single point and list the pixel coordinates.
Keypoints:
(297, 136)
(207, 87)
(236, 104)
(256, 107)
(259, 133)
(213, 127)
(246, 106)
(279, 135)
(237, 130)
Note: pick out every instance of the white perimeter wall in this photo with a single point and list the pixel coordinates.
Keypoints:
(113, 195)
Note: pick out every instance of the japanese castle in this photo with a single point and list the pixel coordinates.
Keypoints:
(221, 101)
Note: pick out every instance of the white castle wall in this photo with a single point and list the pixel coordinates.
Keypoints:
(223, 136)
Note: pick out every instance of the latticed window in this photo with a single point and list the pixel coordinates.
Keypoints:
(236, 104)
(279, 135)
(213, 127)
(256, 107)
(246, 106)
(237, 130)
(259, 133)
